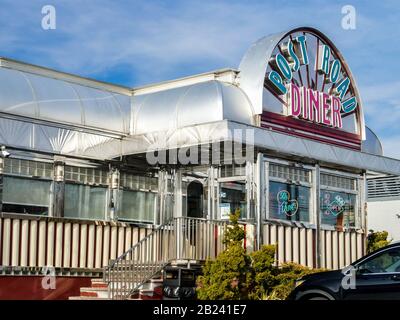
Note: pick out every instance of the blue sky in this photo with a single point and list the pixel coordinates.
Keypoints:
(138, 42)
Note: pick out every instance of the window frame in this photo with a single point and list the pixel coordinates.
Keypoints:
(125, 176)
(107, 197)
(311, 185)
(355, 191)
(8, 163)
(372, 256)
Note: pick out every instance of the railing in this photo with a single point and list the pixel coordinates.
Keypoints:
(69, 244)
(199, 239)
(140, 263)
(294, 244)
(180, 239)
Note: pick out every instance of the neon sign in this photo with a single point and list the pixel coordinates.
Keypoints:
(287, 206)
(334, 207)
(306, 102)
(314, 106)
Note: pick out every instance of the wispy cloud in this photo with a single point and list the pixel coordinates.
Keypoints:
(157, 40)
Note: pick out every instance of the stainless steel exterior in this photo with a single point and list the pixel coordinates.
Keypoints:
(265, 139)
(43, 98)
(61, 114)
(371, 144)
(204, 102)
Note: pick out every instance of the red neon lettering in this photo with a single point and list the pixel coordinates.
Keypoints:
(304, 99)
(336, 116)
(325, 109)
(314, 106)
(295, 100)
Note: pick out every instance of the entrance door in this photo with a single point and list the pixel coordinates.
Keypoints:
(195, 200)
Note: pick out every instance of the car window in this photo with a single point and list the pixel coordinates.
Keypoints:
(387, 261)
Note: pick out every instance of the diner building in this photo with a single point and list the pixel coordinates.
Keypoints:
(97, 175)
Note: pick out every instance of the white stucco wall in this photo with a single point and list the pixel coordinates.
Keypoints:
(382, 216)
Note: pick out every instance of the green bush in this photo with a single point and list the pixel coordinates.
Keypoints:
(377, 240)
(228, 276)
(285, 277)
(236, 275)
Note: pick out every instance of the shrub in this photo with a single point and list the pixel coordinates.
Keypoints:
(263, 270)
(377, 240)
(228, 276)
(234, 274)
(285, 277)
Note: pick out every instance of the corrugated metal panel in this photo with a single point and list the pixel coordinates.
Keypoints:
(383, 187)
(190, 105)
(44, 98)
(27, 242)
(339, 248)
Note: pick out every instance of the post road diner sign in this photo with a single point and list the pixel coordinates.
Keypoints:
(325, 103)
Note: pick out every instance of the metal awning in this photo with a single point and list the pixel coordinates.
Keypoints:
(263, 139)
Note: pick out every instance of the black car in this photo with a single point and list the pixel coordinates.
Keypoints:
(375, 276)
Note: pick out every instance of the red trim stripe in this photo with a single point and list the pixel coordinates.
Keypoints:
(306, 136)
(302, 125)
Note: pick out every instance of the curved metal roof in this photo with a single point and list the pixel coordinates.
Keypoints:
(194, 104)
(371, 144)
(44, 98)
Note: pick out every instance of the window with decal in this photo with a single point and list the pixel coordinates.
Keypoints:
(338, 208)
(289, 192)
(289, 202)
(338, 201)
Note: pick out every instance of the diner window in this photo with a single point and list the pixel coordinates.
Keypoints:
(85, 193)
(289, 202)
(289, 193)
(27, 186)
(22, 195)
(233, 170)
(233, 197)
(136, 206)
(291, 173)
(338, 201)
(137, 198)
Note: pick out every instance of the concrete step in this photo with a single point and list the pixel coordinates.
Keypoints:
(98, 290)
(87, 298)
(94, 292)
(98, 283)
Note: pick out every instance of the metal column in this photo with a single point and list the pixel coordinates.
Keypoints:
(114, 190)
(260, 199)
(59, 189)
(318, 253)
(1, 183)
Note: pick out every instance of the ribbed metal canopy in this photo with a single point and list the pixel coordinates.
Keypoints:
(44, 98)
(190, 105)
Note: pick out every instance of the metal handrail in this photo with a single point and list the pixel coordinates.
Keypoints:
(181, 238)
(140, 242)
(140, 263)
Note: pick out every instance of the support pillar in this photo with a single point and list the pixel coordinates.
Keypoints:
(213, 189)
(114, 190)
(260, 199)
(59, 189)
(178, 208)
(162, 193)
(1, 183)
(318, 247)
